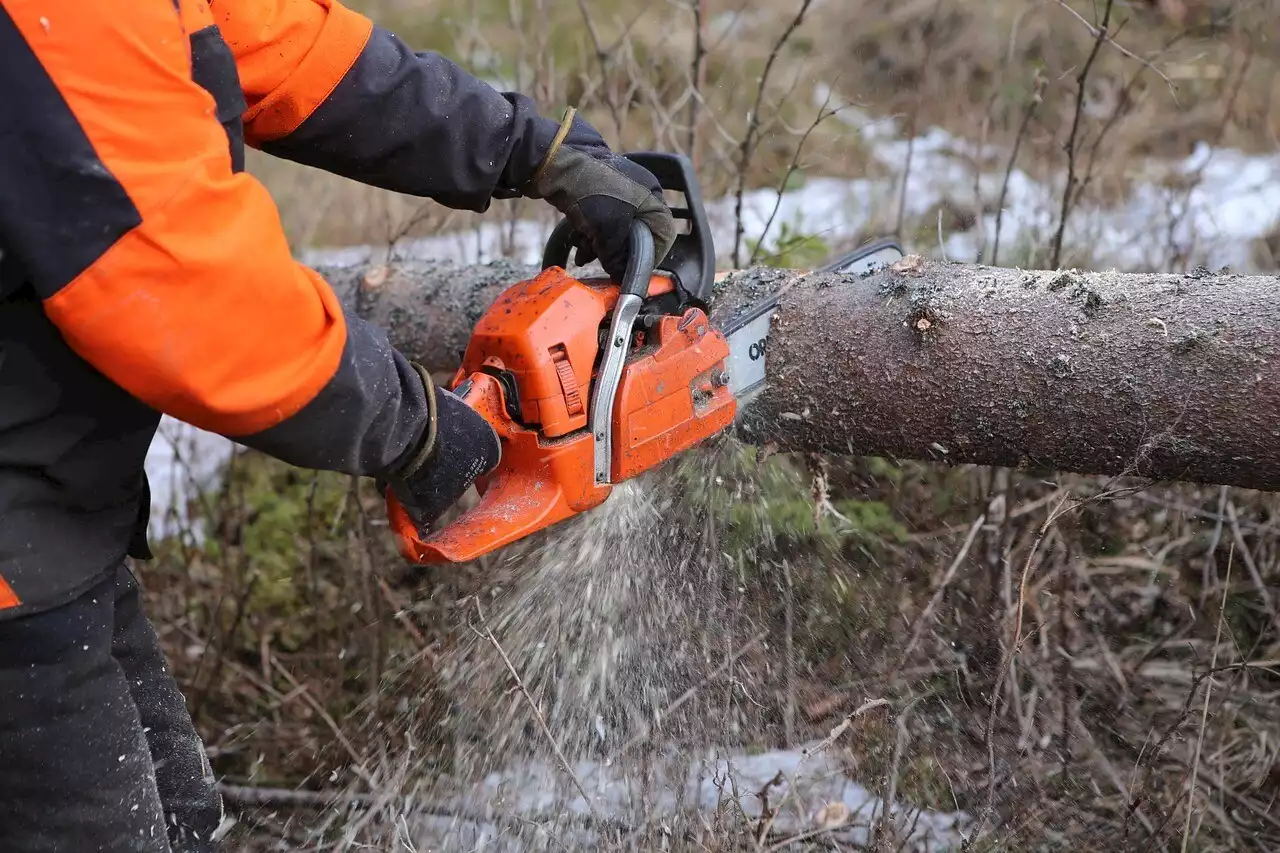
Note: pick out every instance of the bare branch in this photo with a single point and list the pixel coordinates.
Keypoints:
(1100, 33)
(747, 146)
(823, 114)
(542, 721)
(913, 121)
(819, 748)
(1027, 114)
(1083, 78)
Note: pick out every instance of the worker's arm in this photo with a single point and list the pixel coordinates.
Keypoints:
(328, 88)
(161, 267)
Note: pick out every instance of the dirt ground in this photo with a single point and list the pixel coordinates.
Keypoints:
(1071, 660)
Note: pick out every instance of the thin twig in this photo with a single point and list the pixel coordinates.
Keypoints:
(1180, 254)
(1006, 662)
(888, 821)
(1100, 36)
(1207, 570)
(602, 57)
(1123, 101)
(1251, 564)
(305, 692)
(912, 122)
(823, 115)
(747, 146)
(542, 722)
(247, 795)
(1027, 114)
(689, 694)
(819, 748)
(1204, 713)
(807, 835)
(697, 76)
(789, 659)
(918, 631)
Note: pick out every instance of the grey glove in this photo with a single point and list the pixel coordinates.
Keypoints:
(601, 193)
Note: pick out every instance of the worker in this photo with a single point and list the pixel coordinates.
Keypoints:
(144, 272)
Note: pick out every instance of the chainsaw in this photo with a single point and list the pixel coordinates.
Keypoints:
(590, 382)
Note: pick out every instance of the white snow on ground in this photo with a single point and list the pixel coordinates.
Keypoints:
(824, 801)
(1236, 202)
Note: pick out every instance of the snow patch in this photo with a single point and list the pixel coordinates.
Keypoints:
(825, 801)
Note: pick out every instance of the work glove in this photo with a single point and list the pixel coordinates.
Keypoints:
(601, 193)
(458, 447)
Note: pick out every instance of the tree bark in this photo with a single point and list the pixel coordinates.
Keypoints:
(1168, 377)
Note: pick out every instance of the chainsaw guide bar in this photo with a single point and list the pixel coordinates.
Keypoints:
(747, 329)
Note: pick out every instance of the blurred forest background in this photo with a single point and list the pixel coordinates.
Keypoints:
(1140, 709)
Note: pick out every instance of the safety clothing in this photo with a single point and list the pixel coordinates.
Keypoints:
(142, 271)
(601, 192)
(97, 750)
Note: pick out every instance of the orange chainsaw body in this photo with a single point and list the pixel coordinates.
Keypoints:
(530, 369)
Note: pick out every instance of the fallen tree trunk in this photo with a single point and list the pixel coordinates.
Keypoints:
(1169, 377)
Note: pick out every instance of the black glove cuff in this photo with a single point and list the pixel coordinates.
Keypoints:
(464, 448)
(556, 141)
(427, 445)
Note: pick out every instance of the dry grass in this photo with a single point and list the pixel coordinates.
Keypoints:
(969, 66)
(1147, 639)
(1105, 678)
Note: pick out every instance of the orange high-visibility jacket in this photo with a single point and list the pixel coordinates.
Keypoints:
(143, 271)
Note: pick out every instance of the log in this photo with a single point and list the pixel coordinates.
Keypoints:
(1165, 377)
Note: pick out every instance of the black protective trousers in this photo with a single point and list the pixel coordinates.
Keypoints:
(98, 753)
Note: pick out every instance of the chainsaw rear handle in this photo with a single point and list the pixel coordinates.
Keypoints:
(692, 257)
(635, 279)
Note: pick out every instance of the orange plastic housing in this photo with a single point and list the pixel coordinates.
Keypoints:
(669, 399)
(532, 329)
(546, 331)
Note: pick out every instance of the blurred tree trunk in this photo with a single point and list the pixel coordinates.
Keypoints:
(1170, 377)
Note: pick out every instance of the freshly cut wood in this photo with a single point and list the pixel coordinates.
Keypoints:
(1169, 377)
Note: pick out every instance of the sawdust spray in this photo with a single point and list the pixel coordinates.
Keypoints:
(612, 623)
(603, 623)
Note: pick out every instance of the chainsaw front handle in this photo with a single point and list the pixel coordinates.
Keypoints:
(639, 260)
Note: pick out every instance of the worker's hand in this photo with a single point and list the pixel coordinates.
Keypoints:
(601, 193)
(459, 446)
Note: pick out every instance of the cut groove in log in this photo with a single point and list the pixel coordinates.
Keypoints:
(1168, 377)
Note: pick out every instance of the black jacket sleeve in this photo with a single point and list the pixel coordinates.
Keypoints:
(417, 123)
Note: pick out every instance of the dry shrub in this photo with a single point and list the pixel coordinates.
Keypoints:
(1140, 602)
